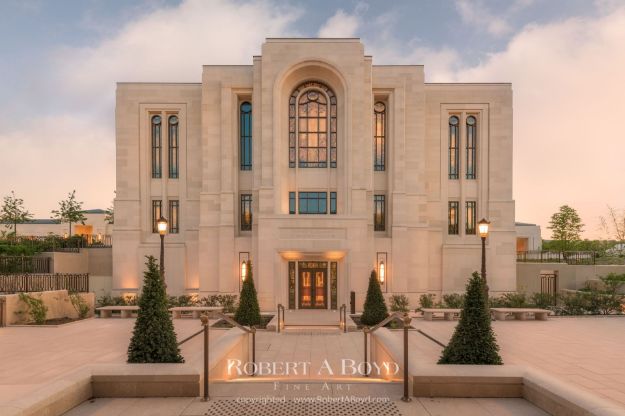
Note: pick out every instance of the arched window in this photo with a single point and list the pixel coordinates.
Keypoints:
(245, 135)
(312, 126)
(454, 143)
(471, 147)
(379, 136)
(156, 147)
(173, 147)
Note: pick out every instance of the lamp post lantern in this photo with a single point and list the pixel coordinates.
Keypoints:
(161, 225)
(483, 229)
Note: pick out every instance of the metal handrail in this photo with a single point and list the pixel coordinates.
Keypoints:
(405, 319)
(343, 317)
(280, 323)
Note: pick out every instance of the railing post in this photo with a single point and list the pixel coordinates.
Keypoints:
(365, 331)
(406, 322)
(253, 328)
(204, 320)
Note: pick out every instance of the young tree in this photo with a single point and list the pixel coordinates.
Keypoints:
(70, 211)
(473, 341)
(614, 224)
(566, 226)
(375, 310)
(13, 212)
(153, 338)
(248, 312)
(109, 217)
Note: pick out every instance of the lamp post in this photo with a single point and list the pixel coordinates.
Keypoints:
(483, 228)
(161, 225)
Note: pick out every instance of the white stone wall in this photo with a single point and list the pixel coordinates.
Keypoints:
(421, 257)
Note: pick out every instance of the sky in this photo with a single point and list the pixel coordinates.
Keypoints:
(60, 60)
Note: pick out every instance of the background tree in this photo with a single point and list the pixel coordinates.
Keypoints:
(566, 227)
(473, 341)
(248, 312)
(153, 338)
(614, 224)
(70, 211)
(375, 310)
(109, 216)
(13, 212)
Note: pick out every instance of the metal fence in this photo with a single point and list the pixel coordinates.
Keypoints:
(15, 283)
(24, 264)
(569, 257)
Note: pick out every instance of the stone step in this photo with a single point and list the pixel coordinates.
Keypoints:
(311, 329)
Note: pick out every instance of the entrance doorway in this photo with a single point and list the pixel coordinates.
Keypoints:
(313, 285)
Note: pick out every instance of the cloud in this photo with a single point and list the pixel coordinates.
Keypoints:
(340, 25)
(568, 87)
(72, 146)
(477, 15)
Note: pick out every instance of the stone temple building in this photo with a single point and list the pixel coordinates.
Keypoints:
(318, 166)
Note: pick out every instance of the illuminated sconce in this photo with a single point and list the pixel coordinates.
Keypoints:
(243, 271)
(99, 237)
(382, 269)
(65, 235)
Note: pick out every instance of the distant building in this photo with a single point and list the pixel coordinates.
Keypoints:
(94, 225)
(528, 237)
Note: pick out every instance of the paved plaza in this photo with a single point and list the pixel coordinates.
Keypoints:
(584, 351)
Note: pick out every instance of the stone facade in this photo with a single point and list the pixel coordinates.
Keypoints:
(339, 250)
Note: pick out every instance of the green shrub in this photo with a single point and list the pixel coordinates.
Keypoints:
(509, 300)
(543, 300)
(473, 341)
(182, 300)
(248, 312)
(153, 339)
(228, 302)
(453, 300)
(80, 305)
(399, 303)
(426, 300)
(572, 304)
(374, 310)
(35, 308)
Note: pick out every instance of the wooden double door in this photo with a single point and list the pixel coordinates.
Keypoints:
(313, 285)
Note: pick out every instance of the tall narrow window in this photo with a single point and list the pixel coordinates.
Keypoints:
(454, 143)
(312, 126)
(379, 214)
(452, 215)
(471, 218)
(332, 202)
(157, 206)
(379, 138)
(156, 146)
(246, 212)
(174, 221)
(291, 202)
(471, 146)
(245, 133)
(173, 147)
(313, 203)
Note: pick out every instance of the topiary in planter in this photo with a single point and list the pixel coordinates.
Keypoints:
(375, 310)
(248, 312)
(153, 339)
(473, 341)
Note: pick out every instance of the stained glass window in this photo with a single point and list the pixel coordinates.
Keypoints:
(246, 212)
(454, 143)
(471, 218)
(312, 126)
(471, 146)
(156, 146)
(379, 136)
(174, 221)
(452, 217)
(379, 208)
(245, 133)
(173, 147)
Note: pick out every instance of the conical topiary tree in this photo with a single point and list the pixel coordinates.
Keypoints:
(474, 340)
(153, 339)
(375, 310)
(248, 312)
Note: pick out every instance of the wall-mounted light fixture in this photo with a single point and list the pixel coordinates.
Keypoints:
(244, 257)
(382, 265)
